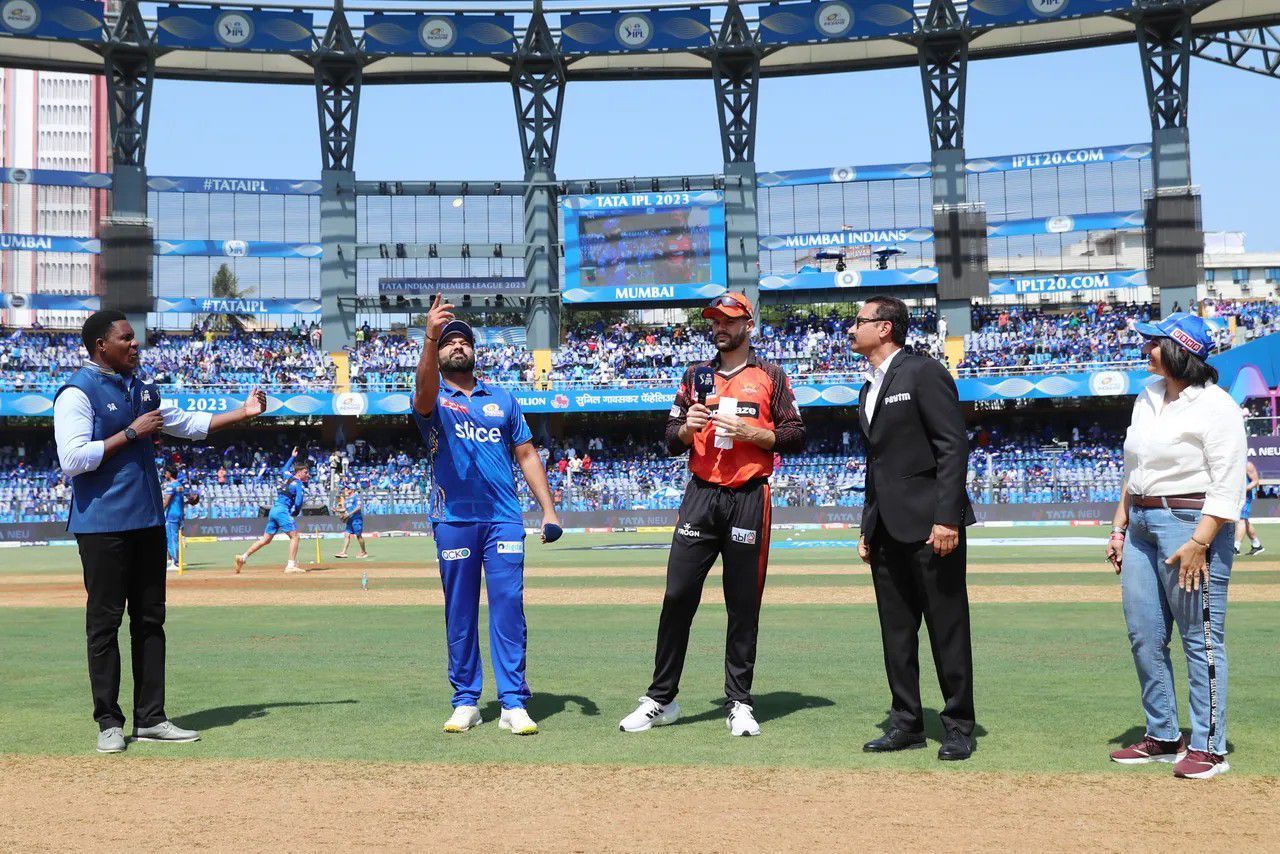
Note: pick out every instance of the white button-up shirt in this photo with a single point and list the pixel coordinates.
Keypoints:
(1194, 444)
(73, 427)
(876, 378)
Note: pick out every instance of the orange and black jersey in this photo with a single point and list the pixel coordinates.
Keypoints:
(764, 400)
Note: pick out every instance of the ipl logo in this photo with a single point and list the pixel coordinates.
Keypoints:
(20, 16)
(834, 19)
(1059, 224)
(1048, 8)
(235, 248)
(437, 34)
(634, 31)
(841, 174)
(233, 29)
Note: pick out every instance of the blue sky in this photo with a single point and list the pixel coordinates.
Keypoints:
(1061, 100)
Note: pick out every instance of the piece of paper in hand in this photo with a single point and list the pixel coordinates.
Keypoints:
(728, 406)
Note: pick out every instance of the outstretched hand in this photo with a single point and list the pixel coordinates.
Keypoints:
(256, 403)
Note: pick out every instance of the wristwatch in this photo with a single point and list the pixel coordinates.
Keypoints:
(130, 433)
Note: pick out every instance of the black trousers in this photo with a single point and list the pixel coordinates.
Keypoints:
(125, 570)
(715, 521)
(911, 583)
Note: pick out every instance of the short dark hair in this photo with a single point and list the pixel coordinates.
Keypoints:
(97, 326)
(895, 311)
(171, 470)
(301, 464)
(1183, 365)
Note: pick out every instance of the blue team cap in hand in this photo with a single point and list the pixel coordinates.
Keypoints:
(551, 533)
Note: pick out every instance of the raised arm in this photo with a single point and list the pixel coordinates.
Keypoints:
(427, 377)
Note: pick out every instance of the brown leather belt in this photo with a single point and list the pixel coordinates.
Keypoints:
(1191, 501)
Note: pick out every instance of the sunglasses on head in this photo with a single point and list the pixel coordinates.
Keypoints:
(726, 302)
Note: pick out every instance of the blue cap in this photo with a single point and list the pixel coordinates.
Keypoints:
(1189, 331)
(458, 327)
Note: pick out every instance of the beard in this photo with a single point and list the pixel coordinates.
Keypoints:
(458, 363)
(730, 342)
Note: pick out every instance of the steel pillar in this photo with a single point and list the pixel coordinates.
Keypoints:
(735, 68)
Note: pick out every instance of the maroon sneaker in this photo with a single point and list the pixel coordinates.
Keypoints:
(1150, 750)
(1200, 765)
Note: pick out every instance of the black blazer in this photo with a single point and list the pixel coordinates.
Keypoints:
(917, 451)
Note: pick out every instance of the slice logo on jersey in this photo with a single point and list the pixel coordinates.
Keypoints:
(492, 410)
(472, 433)
(456, 407)
(748, 410)
(511, 547)
(687, 530)
(455, 554)
(742, 535)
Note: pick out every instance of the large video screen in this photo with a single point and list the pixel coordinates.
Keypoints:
(644, 241)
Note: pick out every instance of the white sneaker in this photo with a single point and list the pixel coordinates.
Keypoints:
(293, 567)
(173, 567)
(650, 713)
(741, 720)
(518, 721)
(463, 719)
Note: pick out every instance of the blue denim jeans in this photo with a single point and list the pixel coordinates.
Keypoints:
(1153, 602)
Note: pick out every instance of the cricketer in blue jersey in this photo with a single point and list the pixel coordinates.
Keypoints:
(351, 509)
(474, 433)
(175, 511)
(291, 493)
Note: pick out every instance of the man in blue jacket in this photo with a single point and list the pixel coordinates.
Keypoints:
(104, 421)
(291, 493)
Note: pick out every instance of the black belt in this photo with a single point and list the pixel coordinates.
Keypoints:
(751, 484)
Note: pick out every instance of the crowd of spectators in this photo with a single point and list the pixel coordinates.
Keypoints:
(810, 345)
(1007, 465)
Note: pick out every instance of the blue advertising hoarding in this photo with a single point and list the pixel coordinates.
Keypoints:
(627, 247)
(651, 30)
(215, 305)
(76, 20)
(810, 280)
(846, 237)
(48, 243)
(233, 29)
(51, 302)
(981, 165)
(54, 178)
(995, 13)
(1066, 222)
(237, 249)
(1064, 282)
(446, 34)
(257, 186)
(834, 20)
(1096, 384)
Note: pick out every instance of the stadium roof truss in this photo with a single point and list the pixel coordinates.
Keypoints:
(1236, 32)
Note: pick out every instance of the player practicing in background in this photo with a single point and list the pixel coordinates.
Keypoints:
(1244, 527)
(472, 431)
(353, 515)
(290, 495)
(175, 511)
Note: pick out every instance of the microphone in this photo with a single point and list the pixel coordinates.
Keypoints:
(704, 383)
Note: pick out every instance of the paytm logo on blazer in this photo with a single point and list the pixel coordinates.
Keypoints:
(897, 398)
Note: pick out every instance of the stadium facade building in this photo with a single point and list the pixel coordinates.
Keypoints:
(56, 121)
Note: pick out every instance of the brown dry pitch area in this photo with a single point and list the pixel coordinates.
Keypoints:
(110, 803)
(340, 586)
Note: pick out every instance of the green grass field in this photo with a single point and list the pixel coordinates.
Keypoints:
(1055, 682)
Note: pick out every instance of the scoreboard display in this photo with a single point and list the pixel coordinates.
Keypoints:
(643, 241)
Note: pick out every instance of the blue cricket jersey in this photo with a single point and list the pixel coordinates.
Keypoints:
(175, 510)
(469, 442)
(290, 494)
(353, 507)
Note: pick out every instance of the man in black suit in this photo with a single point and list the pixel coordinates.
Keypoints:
(913, 526)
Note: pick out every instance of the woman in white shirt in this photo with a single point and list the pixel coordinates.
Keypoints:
(1184, 466)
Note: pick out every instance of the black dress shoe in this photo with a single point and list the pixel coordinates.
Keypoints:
(956, 746)
(895, 739)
